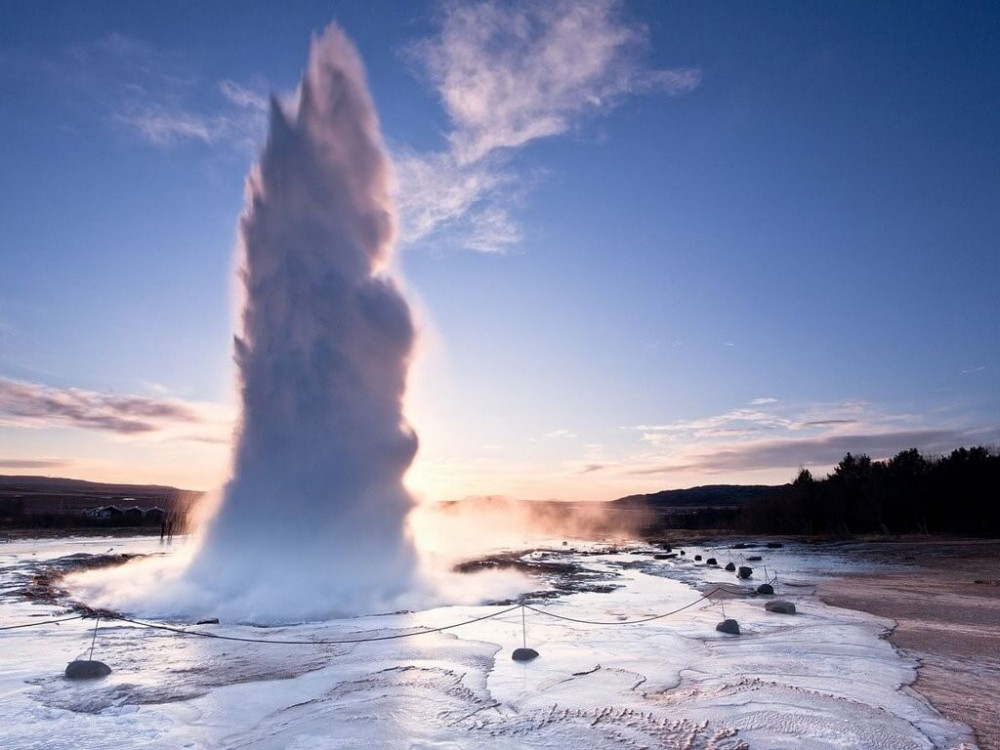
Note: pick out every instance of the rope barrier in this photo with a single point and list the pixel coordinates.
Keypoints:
(41, 622)
(396, 636)
(625, 622)
(323, 642)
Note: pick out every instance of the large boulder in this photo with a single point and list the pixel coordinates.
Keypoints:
(728, 626)
(83, 669)
(781, 607)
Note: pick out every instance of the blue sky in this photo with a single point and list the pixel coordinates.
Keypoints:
(653, 244)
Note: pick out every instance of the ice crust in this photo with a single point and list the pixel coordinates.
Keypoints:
(825, 678)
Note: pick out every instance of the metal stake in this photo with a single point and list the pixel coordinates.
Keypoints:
(524, 629)
(94, 639)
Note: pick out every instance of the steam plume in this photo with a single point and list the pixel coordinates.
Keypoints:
(312, 522)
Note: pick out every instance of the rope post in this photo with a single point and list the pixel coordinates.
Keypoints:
(524, 653)
(87, 669)
(524, 629)
(93, 640)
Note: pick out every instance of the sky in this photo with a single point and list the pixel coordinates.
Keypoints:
(651, 244)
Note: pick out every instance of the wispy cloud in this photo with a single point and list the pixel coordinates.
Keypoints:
(776, 435)
(508, 75)
(139, 89)
(34, 405)
(36, 463)
(815, 451)
(561, 433)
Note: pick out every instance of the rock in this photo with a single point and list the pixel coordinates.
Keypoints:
(209, 621)
(668, 556)
(744, 572)
(781, 607)
(775, 545)
(730, 567)
(83, 669)
(754, 558)
(766, 588)
(683, 552)
(711, 561)
(524, 654)
(728, 626)
(697, 558)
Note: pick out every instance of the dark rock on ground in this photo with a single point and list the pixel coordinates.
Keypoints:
(524, 654)
(728, 626)
(766, 588)
(781, 607)
(86, 670)
(744, 572)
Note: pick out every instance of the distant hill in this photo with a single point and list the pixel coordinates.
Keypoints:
(38, 495)
(707, 496)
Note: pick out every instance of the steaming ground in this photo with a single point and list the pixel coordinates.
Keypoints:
(825, 678)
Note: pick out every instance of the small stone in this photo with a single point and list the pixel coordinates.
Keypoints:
(83, 669)
(209, 621)
(728, 626)
(781, 607)
(766, 588)
(775, 545)
(754, 558)
(730, 567)
(524, 654)
(697, 558)
(744, 572)
(711, 561)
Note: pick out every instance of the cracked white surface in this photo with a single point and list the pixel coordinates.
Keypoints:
(823, 678)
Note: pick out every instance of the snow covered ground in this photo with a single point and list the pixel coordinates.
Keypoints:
(823, 678)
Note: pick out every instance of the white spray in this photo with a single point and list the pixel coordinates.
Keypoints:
(312, 522)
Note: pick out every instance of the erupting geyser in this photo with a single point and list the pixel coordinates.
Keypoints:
(312, 522)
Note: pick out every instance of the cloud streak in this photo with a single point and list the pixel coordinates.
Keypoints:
(37, 463)
(34, 405)
(146, 92)
(508, 76)
(816, 451)
(770, 435)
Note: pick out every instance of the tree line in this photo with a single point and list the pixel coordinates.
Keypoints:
(910, 493)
